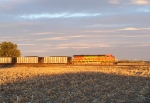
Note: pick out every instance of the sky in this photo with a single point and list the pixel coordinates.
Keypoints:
(76, 27)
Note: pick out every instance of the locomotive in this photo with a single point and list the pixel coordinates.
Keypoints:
(94, 59)
(108, 59)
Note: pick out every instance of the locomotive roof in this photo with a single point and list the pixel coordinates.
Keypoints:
(89, 55)
(31, 56)
(59, 56)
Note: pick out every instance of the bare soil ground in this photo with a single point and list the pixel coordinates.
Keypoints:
(75, 84)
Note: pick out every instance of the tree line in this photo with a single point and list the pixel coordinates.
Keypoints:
(9, 49)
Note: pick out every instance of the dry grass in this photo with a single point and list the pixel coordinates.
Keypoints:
(74, 84)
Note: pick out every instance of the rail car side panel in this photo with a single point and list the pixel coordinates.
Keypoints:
(57, 59)
(5, 60)
(27, 59)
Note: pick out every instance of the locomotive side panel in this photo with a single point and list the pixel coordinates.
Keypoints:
(94, 59)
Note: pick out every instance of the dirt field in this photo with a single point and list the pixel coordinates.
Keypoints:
(75, 84)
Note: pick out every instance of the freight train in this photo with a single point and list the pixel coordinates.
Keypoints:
(108, 59)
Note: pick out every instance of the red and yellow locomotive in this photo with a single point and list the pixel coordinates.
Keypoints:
(107, 59)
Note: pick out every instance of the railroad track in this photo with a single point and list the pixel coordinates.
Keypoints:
(53, 65)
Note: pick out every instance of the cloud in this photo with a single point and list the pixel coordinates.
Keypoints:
(72, 37)
(114, 1)
(59, 48)
(144, 45)
(130, 28)
(104, 25)
(45, 33)
(83, 45)
(10, 37)
(47, 45)
(140, 45)
(46, 15)
(26, 44)
(76, 36)
(35, 51)
(55, 38)
(140, 2)
(78, 45)
(132, 36)
(88, 35)
(101, 31)
(59, 15)
(146, 28)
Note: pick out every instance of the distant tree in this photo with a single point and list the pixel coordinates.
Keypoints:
(9, 49)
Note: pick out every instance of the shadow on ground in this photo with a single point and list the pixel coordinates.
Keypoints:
(7, 65)
(86, 87)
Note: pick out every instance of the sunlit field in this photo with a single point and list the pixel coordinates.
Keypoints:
(77, 84)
